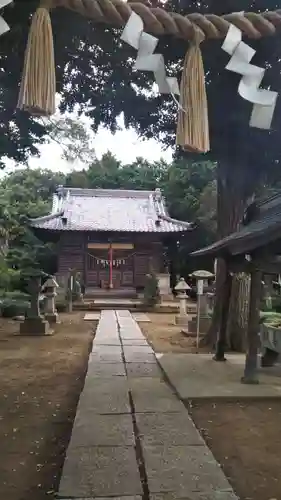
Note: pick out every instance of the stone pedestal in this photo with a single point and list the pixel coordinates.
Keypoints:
(52, 318)
(203, 306)
(204, 326)
(164, 284)
(182, 318)
(36, 326)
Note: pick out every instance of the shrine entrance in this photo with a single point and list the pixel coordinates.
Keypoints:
(110, 265)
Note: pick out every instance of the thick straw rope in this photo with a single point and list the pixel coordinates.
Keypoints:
(160, 22)
(193, 125)
(38, 84)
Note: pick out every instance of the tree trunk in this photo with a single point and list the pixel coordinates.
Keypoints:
(238, 313)
(222, 334)
(251, 365)
(233, 194)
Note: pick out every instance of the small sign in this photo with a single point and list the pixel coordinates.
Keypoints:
(200, 287)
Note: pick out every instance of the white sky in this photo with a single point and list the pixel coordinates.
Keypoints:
(124, 144)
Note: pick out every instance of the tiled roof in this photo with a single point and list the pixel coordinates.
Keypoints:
(109, 210)
(263, 228)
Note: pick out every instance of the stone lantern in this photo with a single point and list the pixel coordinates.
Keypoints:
(50, 287)
(202, 278)
(181, 289)
(34, 324)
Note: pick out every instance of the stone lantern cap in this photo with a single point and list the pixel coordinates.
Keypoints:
(202, 275)
(50, 283)
(182, 286)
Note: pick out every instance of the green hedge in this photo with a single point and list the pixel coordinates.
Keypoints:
(11, 308)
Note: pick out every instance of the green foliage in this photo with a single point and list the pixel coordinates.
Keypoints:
(9, 277)
(151, 291)
(27, 193)
(11, 308)
(270, 319)
(74, 138)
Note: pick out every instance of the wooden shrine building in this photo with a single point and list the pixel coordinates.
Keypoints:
(113, 238)
(255, 249)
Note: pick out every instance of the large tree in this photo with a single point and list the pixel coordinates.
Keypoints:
(94, 72)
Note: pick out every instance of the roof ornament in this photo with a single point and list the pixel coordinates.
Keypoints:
(158, 194)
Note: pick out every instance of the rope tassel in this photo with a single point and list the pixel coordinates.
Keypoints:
(38, 84)
(193, 124)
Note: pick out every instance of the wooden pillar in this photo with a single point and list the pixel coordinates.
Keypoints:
(251, 364)
(110, 266)
(85, 260)
(221, 338)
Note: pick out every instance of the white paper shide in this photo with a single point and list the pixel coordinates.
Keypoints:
(146, 60)
(4, 27)
(264, 101)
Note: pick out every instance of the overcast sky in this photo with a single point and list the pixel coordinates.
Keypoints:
(125, 145)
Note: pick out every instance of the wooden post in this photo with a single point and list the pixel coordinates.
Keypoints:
(70, 300)
(110, 266)
(221, 339)
(251, 364)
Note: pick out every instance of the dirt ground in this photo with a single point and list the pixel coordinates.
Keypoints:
(40, 382)
(245, 438)
(165, 336)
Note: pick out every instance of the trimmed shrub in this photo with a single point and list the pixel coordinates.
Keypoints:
(11, 308)
(151, 291)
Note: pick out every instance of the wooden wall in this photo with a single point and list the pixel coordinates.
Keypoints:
(147, 254)
(71, 249)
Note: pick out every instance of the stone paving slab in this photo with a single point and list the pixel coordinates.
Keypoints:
(139, 354)
(136, 370)
(169, 429)
(142, 349)
(149, 385)
(106, 336)
(128, 335)
(101, 462)
(123, 313)
(114, 385)
(148, 403)
(92, 317)
(133, 342)
(100, 340)
(101, 471)
(106, 354)
(105, 370)
(183, 469)
(141, 318)
(195, 495)
(102, 430)
(198, 376)
(108, 498)
(104, 403)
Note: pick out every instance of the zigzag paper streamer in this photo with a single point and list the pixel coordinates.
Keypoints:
(4, 27)
(146, 60)
(264, 101)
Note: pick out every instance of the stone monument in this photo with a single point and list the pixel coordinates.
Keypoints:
(50, 287)
(34, 324)
(180, 289)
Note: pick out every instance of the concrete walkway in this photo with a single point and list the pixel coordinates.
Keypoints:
(132, 437)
